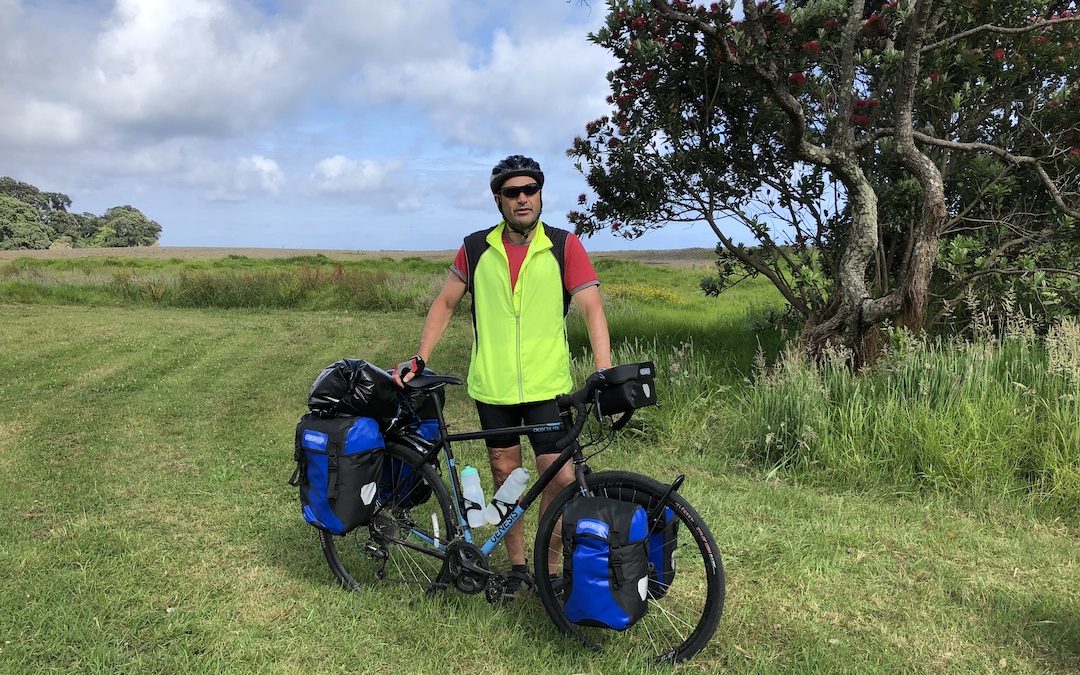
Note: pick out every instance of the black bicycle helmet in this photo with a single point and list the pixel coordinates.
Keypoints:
(515, 165)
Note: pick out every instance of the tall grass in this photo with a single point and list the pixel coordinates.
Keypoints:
(985, 422)
(310, 282)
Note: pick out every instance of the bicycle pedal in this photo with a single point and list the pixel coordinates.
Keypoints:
(496, 586)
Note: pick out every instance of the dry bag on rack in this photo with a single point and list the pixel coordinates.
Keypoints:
(354, 387)
(605, 562)
(663, 539)
(338, 466)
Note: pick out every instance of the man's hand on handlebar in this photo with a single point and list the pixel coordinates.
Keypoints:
(406, 370)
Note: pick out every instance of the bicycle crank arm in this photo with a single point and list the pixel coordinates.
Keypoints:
(473, 567)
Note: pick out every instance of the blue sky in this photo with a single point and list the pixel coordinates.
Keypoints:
(343, 124)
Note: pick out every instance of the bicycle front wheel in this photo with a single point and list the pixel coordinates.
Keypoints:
(407, 535)
(685, 603)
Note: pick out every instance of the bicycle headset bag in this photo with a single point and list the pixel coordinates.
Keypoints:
(663, 539)
(339, 462)
(605, 562)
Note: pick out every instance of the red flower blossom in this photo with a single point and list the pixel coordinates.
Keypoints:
(638, 23)
(999, 54)
(861, 120)
(783, 19)
(677, 46)
(935, 76)
(613, 142)
(874, 25)
(811, 48)
(1075, 151)
(797, 79)
(831, 24)
(581, 199)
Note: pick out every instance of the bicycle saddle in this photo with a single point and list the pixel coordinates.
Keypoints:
(431, 381)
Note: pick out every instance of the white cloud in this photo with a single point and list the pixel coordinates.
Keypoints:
(248, 176)
(339, 175)
(534, 91)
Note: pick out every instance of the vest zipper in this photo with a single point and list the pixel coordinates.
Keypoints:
(521, 379)
(519, 292)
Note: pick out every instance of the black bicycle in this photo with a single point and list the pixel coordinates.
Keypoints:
(420, 536)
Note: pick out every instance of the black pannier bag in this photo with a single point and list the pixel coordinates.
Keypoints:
(605, 562)
(354, 387)
(338, 467)
(626, 388)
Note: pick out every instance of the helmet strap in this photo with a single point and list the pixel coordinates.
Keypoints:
(525, 230)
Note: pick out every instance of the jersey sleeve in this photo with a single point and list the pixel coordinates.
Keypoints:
(460, 266)
(578, 272)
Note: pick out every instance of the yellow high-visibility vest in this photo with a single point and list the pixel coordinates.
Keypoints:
(520, 353)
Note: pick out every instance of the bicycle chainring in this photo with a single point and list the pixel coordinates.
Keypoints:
(460, 556)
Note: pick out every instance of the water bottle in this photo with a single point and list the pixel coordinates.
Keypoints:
(507, 496)
(474, 496)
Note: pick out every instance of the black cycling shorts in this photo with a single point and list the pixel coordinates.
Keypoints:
(522, 414)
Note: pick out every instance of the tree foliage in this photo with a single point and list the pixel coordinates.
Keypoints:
(898, 161)
(30, 218)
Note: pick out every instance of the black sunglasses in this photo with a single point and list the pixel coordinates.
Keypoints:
(513, 192)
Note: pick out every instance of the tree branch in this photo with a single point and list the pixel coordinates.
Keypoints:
(1048, 182)
(1003, 30)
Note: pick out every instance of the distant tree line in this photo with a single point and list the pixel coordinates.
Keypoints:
(32, 219)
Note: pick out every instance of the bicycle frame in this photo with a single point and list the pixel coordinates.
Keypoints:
(443, 444)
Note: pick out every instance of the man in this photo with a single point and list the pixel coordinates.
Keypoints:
(520, 357)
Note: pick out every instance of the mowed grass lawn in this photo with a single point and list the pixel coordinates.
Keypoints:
(146, 526)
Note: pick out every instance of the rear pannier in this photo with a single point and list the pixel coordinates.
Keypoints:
(605, 562)
(338, 467)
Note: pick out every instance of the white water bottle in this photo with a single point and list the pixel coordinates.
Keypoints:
(507, 495)
(473, 492)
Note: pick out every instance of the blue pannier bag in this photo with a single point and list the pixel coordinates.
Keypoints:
(661, 545)
(399, 485)
(338, 465)
(605, 562)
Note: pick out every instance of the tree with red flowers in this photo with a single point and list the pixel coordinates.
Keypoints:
(890, 160)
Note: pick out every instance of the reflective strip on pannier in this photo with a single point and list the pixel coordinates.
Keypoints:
(339, 461)
(605, 562)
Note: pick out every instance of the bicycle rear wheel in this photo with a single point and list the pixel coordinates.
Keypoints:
(683, 619)
(405, 539)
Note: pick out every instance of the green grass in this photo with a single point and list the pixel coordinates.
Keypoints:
(147, 526)
(307, 282)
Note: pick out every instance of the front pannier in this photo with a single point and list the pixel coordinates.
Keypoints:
(338, 466)
(605, 562)
(663, 540)
(627, 388)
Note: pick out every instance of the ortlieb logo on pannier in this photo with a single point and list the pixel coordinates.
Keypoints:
(338, 466)
(605, 562)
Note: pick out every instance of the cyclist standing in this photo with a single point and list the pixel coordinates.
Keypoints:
(521, 285)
